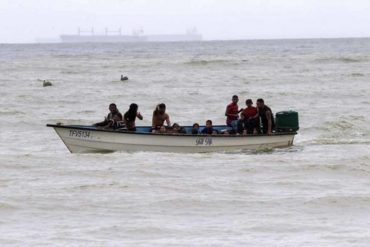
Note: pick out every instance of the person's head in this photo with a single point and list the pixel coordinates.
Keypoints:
(235, 99)
(260, 103)
(249, 102)
(133, 107)
(176, 126)
(209, 123)
(132, 112)
(195, 126)
(112, 108)
(161, 108)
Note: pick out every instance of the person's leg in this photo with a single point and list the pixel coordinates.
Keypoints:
(248, 126)
(230, 129)
(240, 126)
(234, 125)
(253, 126)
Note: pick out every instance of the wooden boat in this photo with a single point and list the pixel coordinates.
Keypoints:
(87, 139)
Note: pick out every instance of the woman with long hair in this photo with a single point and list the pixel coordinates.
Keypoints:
(130, 117)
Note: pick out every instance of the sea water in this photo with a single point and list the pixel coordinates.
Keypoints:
(315, 193)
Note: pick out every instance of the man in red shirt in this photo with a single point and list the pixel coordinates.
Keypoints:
(232, 113)
(250, 118)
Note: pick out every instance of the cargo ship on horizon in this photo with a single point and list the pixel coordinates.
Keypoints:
(89, 36)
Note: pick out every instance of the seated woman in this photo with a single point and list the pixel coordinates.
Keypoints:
(195, 129)
(159, 117)
(209, 130)
(130, 116)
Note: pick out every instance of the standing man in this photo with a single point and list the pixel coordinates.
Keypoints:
(266, 116)
(232, 113)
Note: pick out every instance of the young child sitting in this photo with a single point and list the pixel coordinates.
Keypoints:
(195, 129)
(209, 130)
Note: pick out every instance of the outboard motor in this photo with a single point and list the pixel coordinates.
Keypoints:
(286, 121)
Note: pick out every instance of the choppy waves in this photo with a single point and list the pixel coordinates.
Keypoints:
(205, 62)
(334, 59)
(315, 190)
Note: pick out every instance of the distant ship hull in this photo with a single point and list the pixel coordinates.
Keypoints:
(129, 38)
(101, 39)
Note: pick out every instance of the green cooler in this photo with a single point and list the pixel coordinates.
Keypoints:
(286, 121)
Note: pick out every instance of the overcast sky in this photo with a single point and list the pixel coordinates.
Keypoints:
(26, 20)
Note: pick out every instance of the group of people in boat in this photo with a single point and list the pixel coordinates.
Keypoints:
(257, 119)
(252, 119)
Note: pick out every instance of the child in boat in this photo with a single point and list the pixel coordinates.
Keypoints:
(195, 129)
(176, 129)
(130, 116)
(159, 117)
(209, 130)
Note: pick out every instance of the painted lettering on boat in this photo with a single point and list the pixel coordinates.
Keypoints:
(203, 141)
(79, 133)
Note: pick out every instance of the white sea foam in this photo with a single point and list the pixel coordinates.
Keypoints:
(312, 194)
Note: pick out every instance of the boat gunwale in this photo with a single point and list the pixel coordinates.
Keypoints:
(91, 128)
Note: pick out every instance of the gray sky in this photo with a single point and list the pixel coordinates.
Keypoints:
(25, 20)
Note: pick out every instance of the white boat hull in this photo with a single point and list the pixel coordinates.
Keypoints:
(87, 140)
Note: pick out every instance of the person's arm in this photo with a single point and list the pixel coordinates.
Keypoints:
(227, 114)
(257, 114)
(168, 120)
(269, 122)
(139, 116)
(116, 119)
(124, 120)
(232, 115)
(120, 117)
(153, 121)
(102, 123)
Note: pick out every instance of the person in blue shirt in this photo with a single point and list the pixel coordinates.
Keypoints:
(209, 130)
(195, 129)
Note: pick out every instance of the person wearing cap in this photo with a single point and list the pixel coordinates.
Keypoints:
(232, 113)
(266, 116)
(250, 118)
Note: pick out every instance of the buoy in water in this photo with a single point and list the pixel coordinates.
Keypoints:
(124, 78)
